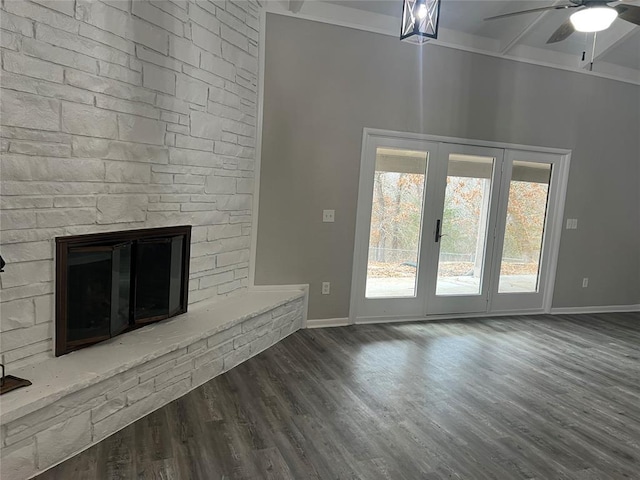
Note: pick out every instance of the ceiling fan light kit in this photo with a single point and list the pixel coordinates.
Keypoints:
(593, 19)
(590, 16)
(419, 20)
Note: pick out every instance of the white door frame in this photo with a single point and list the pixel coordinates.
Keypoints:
(554, 225)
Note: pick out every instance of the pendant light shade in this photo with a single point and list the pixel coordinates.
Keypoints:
(420, 20)
(593, 19)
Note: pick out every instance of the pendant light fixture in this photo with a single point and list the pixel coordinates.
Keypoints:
(420, 20)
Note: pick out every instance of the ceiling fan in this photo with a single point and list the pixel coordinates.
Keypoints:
(592, 16)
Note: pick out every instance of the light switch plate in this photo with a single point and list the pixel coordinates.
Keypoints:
(328, 216)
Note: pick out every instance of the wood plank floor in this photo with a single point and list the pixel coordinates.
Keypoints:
(507, 398)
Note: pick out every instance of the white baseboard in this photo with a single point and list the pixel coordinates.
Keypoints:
(397, 319)
(452, 316)
(327, 322)
(595, 309)
(555, 311)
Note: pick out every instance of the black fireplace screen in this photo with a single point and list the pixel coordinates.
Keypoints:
(111, 283)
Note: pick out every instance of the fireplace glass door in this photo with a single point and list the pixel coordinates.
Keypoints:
(89, 311)
(98, 293)
(158, 264)
(107, 284)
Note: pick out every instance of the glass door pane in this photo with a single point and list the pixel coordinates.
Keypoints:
(153, 279)
(89, 279)
(463, 231)
(396, 223)
(524, 230)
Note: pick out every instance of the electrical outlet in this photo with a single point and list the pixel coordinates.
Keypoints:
(326, 288)
(585, 282)
(328, 216)
(572, 224)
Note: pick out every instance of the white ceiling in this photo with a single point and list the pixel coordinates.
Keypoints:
(627, 52)
(462, 24)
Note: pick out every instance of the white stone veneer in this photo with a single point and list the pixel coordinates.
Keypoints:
(79, 399)
(120, 115)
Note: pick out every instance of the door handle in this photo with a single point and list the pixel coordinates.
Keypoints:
(438, 234)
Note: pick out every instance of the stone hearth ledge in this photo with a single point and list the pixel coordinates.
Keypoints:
(55, 378)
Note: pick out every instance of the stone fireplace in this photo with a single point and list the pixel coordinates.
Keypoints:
(110, 283)
(122, 116)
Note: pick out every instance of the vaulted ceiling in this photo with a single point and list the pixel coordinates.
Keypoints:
(462, 24)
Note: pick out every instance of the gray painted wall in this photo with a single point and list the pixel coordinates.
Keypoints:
(324, 83)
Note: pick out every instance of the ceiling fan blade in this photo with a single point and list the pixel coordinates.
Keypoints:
(630, 13)
(541, 9)
(562, 32)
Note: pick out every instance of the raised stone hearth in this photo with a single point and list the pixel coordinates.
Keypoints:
(80, 398)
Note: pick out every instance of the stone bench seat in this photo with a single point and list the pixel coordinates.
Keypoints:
(80, 398)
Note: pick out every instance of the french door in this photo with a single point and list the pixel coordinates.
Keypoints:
(461, 250)
(453, 228)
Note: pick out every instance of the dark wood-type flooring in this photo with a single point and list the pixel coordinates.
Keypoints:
(539, 397)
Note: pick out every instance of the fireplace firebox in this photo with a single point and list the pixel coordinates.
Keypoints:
(111, 283)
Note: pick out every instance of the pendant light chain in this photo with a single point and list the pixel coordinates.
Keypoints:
(593, 51)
